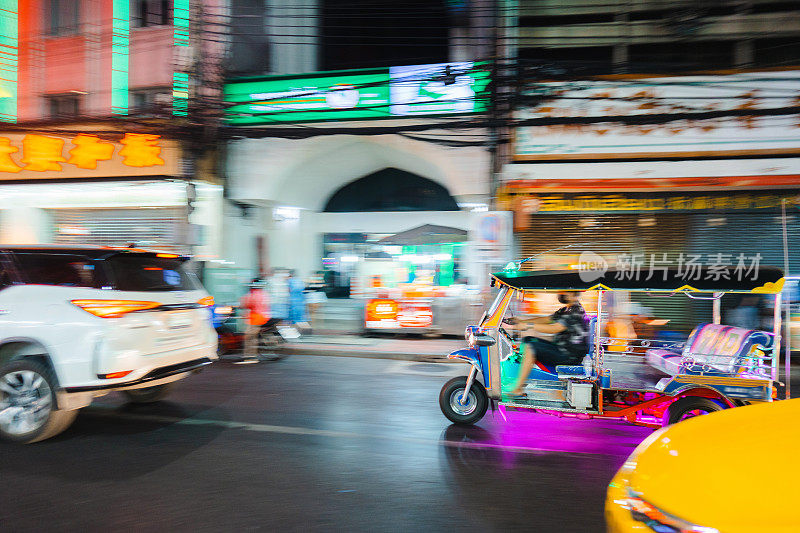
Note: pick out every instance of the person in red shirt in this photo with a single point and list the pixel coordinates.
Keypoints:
(256, 302)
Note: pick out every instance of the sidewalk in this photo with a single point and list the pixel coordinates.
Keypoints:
(406, 348)
(338, 319)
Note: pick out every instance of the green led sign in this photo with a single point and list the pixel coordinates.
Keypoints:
(120, 39)
(341, 95)
(452, 88)
(9, 60)
(180, 80)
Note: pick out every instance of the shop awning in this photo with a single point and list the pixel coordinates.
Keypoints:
(426, 234)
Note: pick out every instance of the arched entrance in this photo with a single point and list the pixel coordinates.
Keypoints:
(391, 189)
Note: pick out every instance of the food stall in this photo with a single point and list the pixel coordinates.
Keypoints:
(413, 282)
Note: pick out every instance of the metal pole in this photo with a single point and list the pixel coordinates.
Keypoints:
(598, 354)
(717, 307)
(495, 164)
(776, 355)
(598, 328)
(788, 343)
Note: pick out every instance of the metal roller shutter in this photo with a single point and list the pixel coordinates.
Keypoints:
(606, 234)
(611, 235)
(161, 228)
(706, 234)
(747, 233)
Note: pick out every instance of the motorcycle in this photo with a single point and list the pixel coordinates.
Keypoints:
(230, 325)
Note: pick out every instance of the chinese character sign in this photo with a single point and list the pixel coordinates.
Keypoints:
(6, 163)
(141, 150)
(734, 135)
(43, 153)
(88, 150)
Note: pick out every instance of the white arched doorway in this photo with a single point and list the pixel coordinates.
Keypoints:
(304, 175)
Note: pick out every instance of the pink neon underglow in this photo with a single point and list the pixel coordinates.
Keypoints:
(525, 431)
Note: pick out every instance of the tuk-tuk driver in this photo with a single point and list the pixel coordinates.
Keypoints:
(570, 332)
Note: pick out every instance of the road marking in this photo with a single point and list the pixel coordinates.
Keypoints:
(442, 369)
(112, 412)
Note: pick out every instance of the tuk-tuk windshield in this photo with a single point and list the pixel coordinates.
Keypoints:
(495, 305)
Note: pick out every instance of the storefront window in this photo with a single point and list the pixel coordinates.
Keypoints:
(360, 260)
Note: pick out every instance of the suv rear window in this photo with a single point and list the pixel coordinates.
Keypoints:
(67, 270)
(149, 273)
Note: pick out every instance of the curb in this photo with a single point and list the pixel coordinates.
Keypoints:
(367, 354)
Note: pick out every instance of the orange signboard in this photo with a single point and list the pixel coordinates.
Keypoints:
(36, 156)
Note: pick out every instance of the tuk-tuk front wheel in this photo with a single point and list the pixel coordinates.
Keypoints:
(463, 409)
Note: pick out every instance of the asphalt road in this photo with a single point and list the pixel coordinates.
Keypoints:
(312, 444)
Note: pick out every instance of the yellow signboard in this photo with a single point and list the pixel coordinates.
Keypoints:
(36, 156)
(544, 203)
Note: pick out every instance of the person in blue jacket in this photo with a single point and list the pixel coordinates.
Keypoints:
(297, 299)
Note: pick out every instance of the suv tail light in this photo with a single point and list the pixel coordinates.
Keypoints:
(113, 308)
(114, 375)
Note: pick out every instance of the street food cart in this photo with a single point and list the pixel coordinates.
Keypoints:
(415, 285)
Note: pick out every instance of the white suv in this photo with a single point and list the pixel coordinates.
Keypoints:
(76, 323)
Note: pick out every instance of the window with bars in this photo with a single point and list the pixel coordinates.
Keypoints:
(150, 100)
(64, 106)
(62, 17)
(146, 13)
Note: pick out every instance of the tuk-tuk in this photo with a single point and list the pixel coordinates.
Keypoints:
(648, 382)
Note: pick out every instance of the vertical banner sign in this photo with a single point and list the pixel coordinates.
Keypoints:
(180, 76)
(119, 56)
(8, 60)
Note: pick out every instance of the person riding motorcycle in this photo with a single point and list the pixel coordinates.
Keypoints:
(256, 302)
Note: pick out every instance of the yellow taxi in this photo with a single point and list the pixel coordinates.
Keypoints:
(732, 471)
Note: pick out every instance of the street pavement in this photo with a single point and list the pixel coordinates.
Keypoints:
(312, 443)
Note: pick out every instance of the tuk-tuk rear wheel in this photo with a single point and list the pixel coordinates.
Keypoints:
(473, 407)
(690, 407)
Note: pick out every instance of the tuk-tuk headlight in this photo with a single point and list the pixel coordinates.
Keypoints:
(481, 339)
(223, 310)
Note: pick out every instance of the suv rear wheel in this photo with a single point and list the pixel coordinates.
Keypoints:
(28, 411)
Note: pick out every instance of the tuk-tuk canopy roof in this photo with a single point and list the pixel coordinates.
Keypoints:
(693, 278)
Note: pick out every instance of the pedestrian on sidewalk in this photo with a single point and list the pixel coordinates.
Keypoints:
(278, 289)
(256, 303)
(297, 301)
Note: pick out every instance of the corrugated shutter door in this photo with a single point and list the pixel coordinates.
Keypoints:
(160, 229)
(609, 235)
(746, 233)
(613, 234)
(749, 234)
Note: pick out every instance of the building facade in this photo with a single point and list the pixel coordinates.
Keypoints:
(90, 99)
(324, 201)
(637, 142)
(652, 36)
